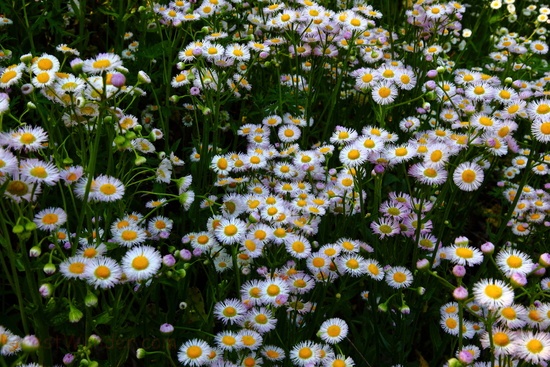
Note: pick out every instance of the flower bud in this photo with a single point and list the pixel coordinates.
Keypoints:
(166, 329)
(30, 343)
(140, 160)
(49, 268)
(91, 299)
(46, 290)
(68, 359)
(141, 353)
(35, 251)
(94, 340)
(74, 314)
(544, 259)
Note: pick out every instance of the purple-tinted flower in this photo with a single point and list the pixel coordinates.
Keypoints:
(518, 279)
(166, 329)
(465, 357)
(30, 343)
(118, 80)
(185, 254)
(488, 248)
(197, 252)
(379, 169)
(195, 91)
(544, 259)
(459, 271)
(68, 359)
(432, 73)
(197, 51)
(46, 290)
(169, 260)
(460, 293)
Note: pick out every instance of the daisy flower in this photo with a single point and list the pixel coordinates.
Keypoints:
(493, 293)
(502, 341)
(428, 174)
(50, 219)
(384, 93)
(91, 251)
(227, 340)
(465, 255)
(43, 79)
(106, 189)
(333, 330)
(261, 319)
(38, 171)
(9, 342)
(19, 189)
(230, 231)
(513, 316)
(194, 353)
(533, 347)
(250, 339)
(103, 272)
(385, 227)
(74, 267)
(289, 133)
(273, 353)
(399, 277)
(353, 155)
(468, 176)
(352, 264)
(28, 138)
(305, 353)
(230, 311)
(101, 63)
(11, 75)
(338, 361)
(141, 263)
(449, 323)
(298, 246)
(512, 261)
(541, 130)
(274, 291)
(160, 225)
(374, 270)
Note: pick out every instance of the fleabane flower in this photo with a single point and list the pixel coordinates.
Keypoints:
(141, 263)
(50, 219)
(493, 293)
(468, 176)
(333, 330)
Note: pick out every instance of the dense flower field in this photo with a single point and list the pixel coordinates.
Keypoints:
(274, 183)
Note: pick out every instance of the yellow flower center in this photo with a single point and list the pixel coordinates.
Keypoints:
(45, 64)
(333, 330)
(101, 64)
(400, 152)
(545, 128)
(261, 319)
(388, 73)
(399, 277)
(273, 290)
(8, 75)
(366, 78)
(285, 17)
(108, 189)
(102, 272)
(194, 352)
(89, 252)
(353, 154)
(43, 78)
(464, 253)
(514, 261)
(369, 143)
(50, 218)
(39, 172)
(493, 291)
(230, 230)
(430, 172)
(384, 92)
(501, 339)
(479, 90)
(27, 138)
(485, 121)
(318, 262)
(129, 235)
(298, 246)
(543, 109)
(352, 264)
(17, 188)
(468, 175)
(305, 353)
(534, 346)
(373, 269)
(76, 268)
(451, 323)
